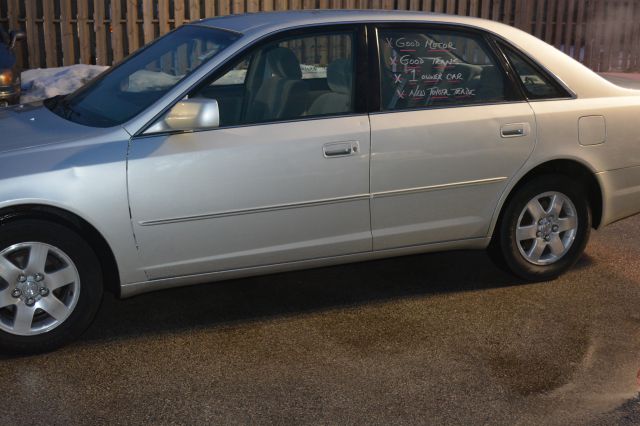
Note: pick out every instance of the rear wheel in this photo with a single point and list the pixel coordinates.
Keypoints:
(544, 229)
(50, 286)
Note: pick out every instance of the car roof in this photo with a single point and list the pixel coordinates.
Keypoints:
(279, 20)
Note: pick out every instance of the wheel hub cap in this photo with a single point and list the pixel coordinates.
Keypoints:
(30, 289)
(546, 228)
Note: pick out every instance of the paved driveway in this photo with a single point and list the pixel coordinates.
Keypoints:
(440, 338)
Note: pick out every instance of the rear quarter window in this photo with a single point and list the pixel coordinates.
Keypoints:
(536, 83)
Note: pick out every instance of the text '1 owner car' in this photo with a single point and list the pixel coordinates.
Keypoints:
(259, 143)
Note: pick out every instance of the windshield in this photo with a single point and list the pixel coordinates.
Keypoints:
(129, 88)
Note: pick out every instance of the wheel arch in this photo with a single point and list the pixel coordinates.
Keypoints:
(565, 166)
(94, 238)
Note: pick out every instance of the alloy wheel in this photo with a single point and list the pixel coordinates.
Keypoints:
(39, 288)
(546, 228)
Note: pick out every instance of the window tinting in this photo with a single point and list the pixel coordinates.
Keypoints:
(424, 68)
(304, 76)
(537, 85)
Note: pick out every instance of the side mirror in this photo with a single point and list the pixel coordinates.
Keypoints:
(188, 115)
(16, 36)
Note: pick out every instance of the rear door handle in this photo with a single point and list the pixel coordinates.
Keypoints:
(340, 149)
(515, 130)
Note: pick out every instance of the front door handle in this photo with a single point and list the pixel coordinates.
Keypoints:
(515, 130)
(340, 149)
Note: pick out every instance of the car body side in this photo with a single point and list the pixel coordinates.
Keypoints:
(85, 177)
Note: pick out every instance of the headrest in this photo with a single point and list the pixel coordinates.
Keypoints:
(340, 76)
(283, 63)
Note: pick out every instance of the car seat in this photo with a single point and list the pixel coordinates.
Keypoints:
(283, 94)
(340, 81)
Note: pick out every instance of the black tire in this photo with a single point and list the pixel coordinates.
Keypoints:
(90, 284)
(504, 249)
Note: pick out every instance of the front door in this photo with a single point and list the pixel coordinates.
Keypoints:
(284, 178)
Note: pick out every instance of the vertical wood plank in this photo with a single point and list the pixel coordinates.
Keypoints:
(569, 28)
(254, 5)
(349, 4)
(539, 17)
(518, 13)
(485, 9)
(224, 7)
(66, 33)
(238, 7)
(147, 21)
(163, 16)
(438, 6)
(13, 16)
(133, 31)
(579, 39)
(84, 39)
(549, 25)
(607, 36)
(194, 10)
(281, 4)
(178, 13)
(623, 40)
(636, 49)
(474, 8)
(429, 6)
(209, 8)
(33, 40)
(557, 42)
(462, 7)
(528, 10)
(589, 17)
(630, 27)
(50, 42)
(451, 6)
(100, 30)
(599, 35)
(322, 4)
(507, 12)
(495, 10)
(614, 39)
(117, 39)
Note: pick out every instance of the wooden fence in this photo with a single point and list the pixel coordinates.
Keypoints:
(603, 34)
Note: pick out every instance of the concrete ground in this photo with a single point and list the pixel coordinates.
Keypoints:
(440, 339)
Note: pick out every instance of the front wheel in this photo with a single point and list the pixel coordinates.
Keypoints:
(544, 229)
(50, 286)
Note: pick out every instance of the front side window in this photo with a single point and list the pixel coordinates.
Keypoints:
(295, 77)
(536, 84)
(438, 68)
(132, 86)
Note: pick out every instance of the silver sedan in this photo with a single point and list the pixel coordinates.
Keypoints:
(269, 142)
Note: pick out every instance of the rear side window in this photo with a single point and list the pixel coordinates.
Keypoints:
(536, 83)
(439, 68)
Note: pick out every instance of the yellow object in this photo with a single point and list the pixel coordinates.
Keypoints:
(6, 77)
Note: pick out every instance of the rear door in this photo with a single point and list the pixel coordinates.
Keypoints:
(452, 130)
